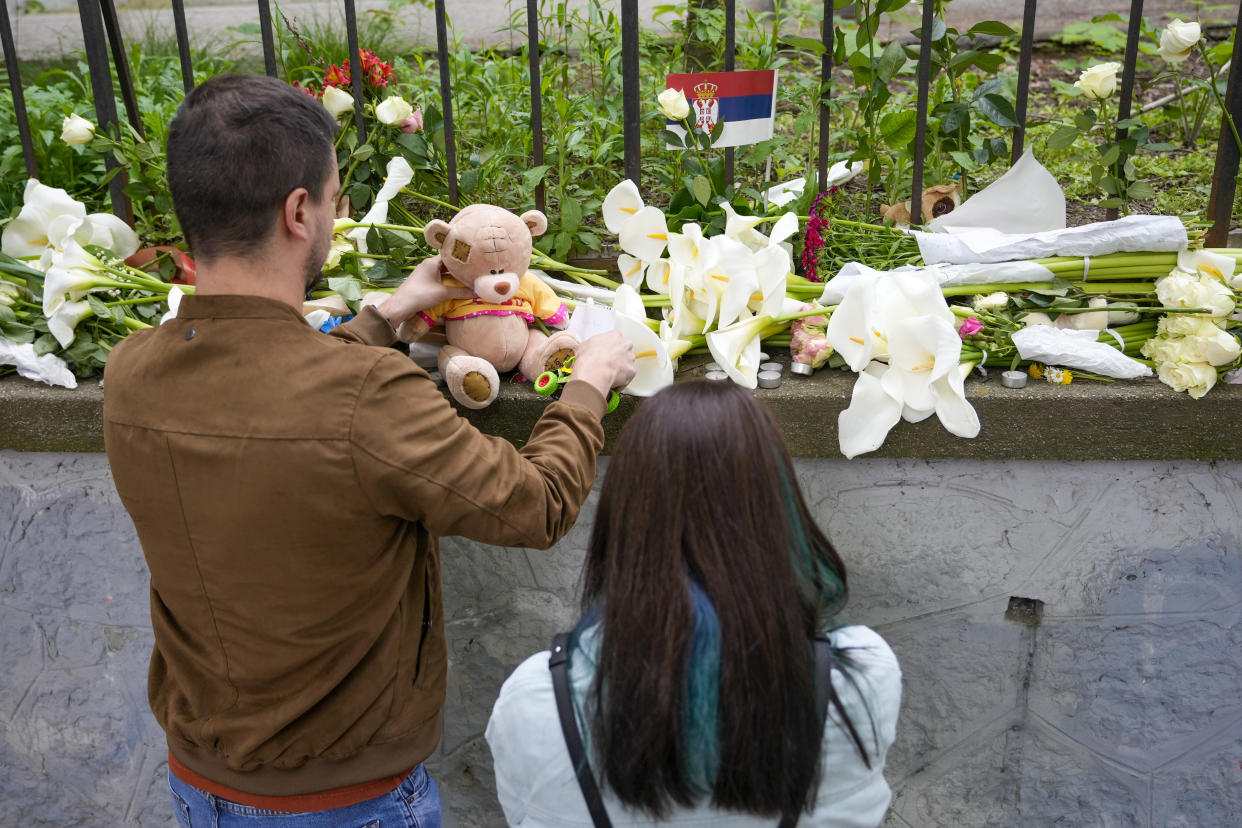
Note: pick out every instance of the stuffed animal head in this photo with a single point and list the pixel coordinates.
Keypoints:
(487, 248)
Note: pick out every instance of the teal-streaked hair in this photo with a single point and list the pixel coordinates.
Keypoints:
(701, 716)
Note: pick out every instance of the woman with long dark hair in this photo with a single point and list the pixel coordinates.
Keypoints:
(692, 674)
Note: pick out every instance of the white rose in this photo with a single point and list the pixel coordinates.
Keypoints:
(1093, 321)
(1036, 318)
(1196, 378)
(1217, 348)
(992, 301)
(673, 104)
(1177, 41)
(337, 101)
(1185, 324)
(1185, 290)
(75, 130)
(8, 293)
(393, 111)
(1099, 81)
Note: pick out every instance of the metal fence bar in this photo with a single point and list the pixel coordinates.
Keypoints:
(15, 87)
(920, 130)
(355, 68)
(1024, 80)
(729, 55)
(119, 59)
(825, 78)
(536, 97)
(183, 45)
(631, 92)
(446, 99)
(265, 34)
(105, 100)
(1225, 174)
(1127, 77)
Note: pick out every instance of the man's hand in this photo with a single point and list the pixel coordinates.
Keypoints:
(606, 361)
(421, 290)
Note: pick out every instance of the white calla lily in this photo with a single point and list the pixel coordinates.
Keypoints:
(736, 349)
(742, 228)
(1210, 264)
(398, 174)
(27, 235)
(857, 330)
(654, 368)
(663, 276)
(73, 272)
(632, 270)
(773, 264)
(62, 322)
(174, 304)
(620, 205)
(691, 249)
(738, 280)
(904, 318)
(786, 226)
(645, 235)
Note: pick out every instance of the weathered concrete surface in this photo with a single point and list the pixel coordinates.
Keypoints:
(1137, 420)
(1117, 707)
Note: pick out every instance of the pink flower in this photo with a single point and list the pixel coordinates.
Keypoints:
(969, 327)
(414, 123)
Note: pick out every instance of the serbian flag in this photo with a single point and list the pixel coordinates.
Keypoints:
(745, 101)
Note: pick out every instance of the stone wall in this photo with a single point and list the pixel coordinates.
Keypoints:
(1069, 634)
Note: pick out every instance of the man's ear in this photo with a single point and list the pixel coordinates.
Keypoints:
(294, 214)
(436, 232)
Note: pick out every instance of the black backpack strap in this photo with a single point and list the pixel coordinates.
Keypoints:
(558, 664)
(823, 687)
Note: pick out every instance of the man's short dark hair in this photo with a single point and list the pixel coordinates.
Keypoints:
(238, 146)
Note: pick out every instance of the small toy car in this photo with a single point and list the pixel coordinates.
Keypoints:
(547, 383)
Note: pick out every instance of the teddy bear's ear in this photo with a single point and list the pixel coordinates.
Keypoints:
(536, 221)
(436, 232)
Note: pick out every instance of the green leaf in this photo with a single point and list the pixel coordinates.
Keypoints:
(1063, 137)
(805, 44)
(469, 181)
(958, 117)
(363, 152)
(348, 287)
(571, 214)
(898, 128)
(673, 139)
(963, 160)
(891, 61)
(1141, 190)
(1085, 120)
(98, 306)
(45, 344)
(997, 110)
(717, 129)
(1111, 202)
(532, 177)
(702, 189)
(1160, 147)
(991, 27)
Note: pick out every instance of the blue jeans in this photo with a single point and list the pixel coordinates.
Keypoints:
(415, 803)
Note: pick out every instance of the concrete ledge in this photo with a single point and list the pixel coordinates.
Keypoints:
(1139, 420)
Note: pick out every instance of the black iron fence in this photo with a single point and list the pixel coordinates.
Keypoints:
(101, 33)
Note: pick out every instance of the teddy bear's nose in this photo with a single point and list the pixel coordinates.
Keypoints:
(502, 288)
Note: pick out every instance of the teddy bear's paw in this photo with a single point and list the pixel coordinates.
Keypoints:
(473, 382)
(556, 360)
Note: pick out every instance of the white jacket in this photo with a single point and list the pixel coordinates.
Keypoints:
(535, 780)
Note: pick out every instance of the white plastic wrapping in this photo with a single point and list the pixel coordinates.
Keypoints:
(1076, 349)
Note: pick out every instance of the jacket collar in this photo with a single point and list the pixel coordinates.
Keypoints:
(235, 306)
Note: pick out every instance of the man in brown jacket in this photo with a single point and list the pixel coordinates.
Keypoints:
(288, 488)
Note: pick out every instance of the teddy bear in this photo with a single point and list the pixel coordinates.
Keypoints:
(487, 249)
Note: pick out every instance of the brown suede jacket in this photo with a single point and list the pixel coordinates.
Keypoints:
(288, 488)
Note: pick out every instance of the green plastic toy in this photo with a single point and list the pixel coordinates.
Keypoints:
(547, 383)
